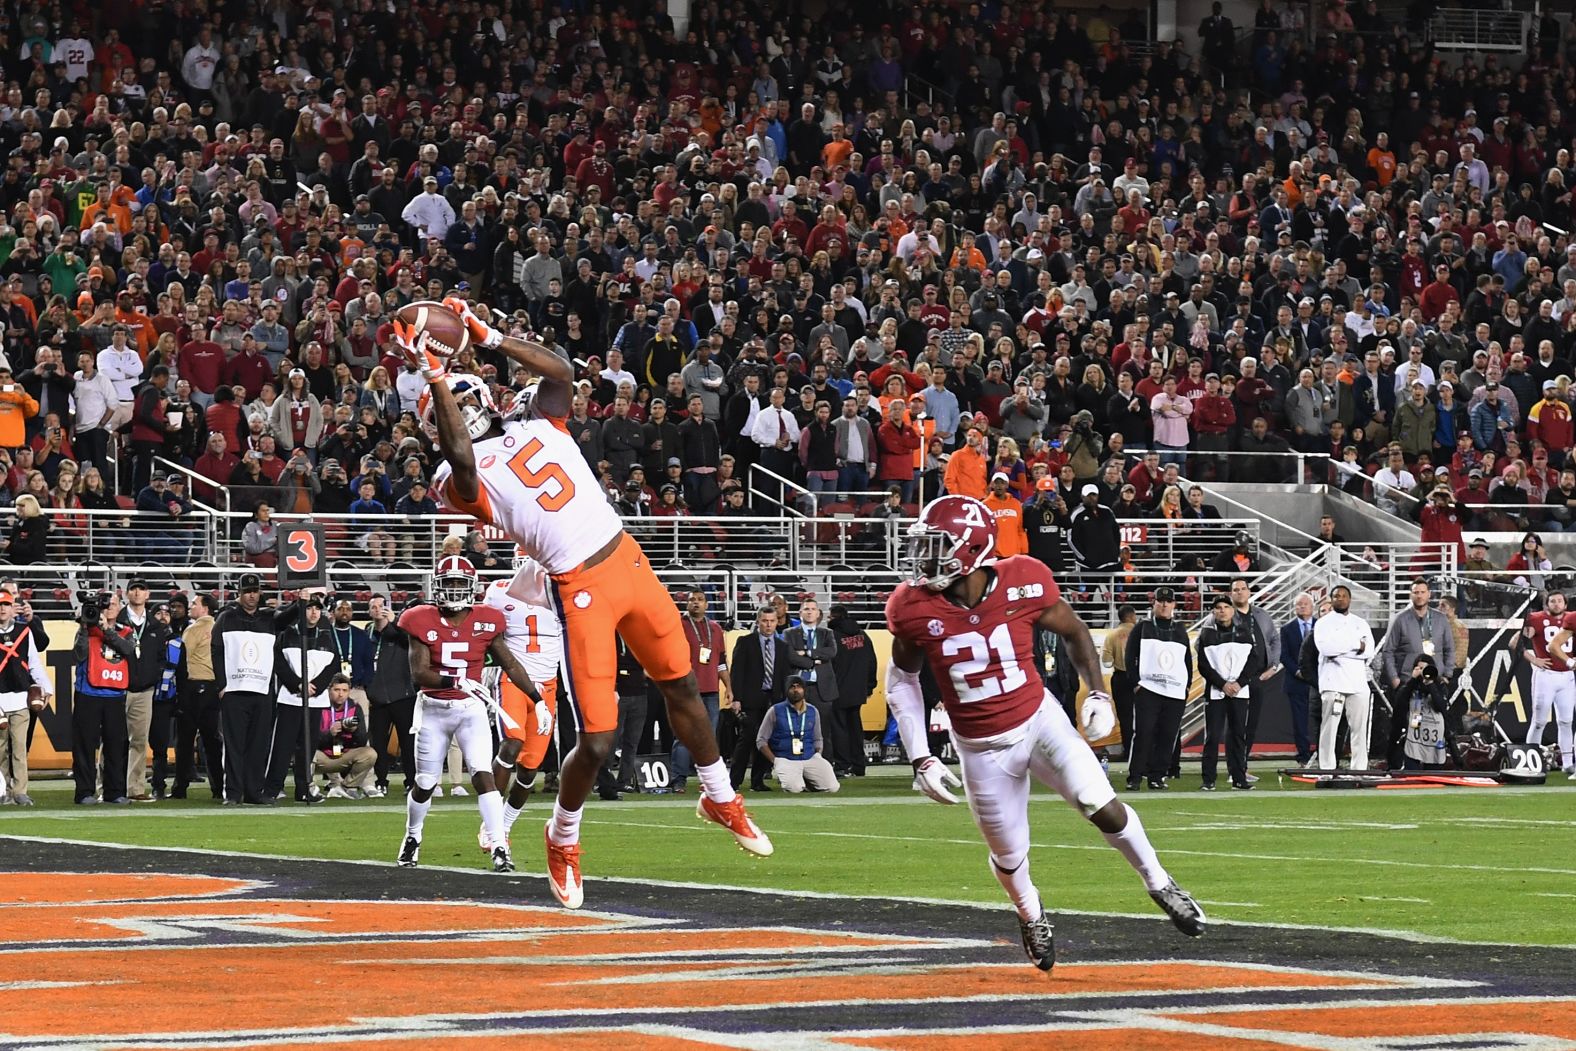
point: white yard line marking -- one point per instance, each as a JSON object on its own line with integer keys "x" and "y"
{"x": 810, "y": 895}
{"x": 931, "y": 840}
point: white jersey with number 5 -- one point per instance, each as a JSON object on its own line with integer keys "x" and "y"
{"x": 537, "y": 487}
{"x": 530, "y": 627}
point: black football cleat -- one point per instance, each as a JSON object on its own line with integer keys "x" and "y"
{"x": 1185, "y": 913}
{"x": 501, "y": 861}
{"x": 410, "y": 853}
{"x": 1039, "y": 941}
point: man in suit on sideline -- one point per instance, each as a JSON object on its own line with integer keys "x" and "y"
{"x": 759, "y": 669}
{"x": 1292, "y": 635}
{"x": 811, "y": 649}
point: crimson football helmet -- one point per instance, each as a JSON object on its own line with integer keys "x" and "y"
{"x": 454, "y": 583}
{"x": 476, "y": 403}
{"x": 954, "y": 536}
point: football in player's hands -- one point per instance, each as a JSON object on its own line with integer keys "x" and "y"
{"x": 447, "y": 333}
{"x": 1098, "y": 716}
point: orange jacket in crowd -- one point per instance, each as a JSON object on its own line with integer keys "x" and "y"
{"x": 17, "y": 406}
{"x": 966, "y": 472}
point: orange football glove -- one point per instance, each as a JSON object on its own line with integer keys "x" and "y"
{"x": 481, "y": 332}
{"x": 414, "y": 346}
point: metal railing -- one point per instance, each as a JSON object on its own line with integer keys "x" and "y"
{"x": 1453, "y": 29}
{"x": 789, "y": 497}
{"x": 123, "y": 537}
{"x": 212, "y": 492}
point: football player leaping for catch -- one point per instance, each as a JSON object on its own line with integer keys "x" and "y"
{"x": 450, "y": 641}
{"x": 528, "y": 478}
{"x": 974, "y": 618}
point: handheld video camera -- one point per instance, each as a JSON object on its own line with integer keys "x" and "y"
{"x": 92, "y": 605}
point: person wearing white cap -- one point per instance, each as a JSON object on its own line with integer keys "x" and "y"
{"x": 1094, "y": 537}
{"x": 1549, "y": 421}
{"x": 1007, "y": 509}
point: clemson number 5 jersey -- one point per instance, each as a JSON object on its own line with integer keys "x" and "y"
{"x": 538, "y": 488}
{"x": 983, "y": 658}
{"x": 530, "y": 626}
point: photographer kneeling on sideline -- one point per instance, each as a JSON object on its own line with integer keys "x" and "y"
{"x": 342, "y": 749}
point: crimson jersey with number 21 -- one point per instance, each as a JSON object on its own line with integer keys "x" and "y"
{"x": 459, "y": 649}
{"x": 983, "y": 658}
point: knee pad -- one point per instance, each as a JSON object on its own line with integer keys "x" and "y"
{"x": 426, "y": 782}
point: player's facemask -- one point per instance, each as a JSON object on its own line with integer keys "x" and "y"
{"x": 477, "y": 408}
{"x": 931, "y": 558}
{"x": 454, "y": 592}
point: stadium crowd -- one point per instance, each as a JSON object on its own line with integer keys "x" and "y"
{"x": 991, "y": 249}
{"x": 1070, "y": 248}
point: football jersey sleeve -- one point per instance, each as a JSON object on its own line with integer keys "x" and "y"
{"x": 900, "y": 607}
{"x": 415, "y": 620}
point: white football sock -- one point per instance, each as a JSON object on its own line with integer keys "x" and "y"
{"x": 564, "y": 829}
{"x": 715, "y": 782}
{"x": 415, "y": 814}
{"x": 1020, "y": 888}
{"x": 511, "y": 814}
{"x": 1135, "y": 847}
{"x": 491, "y": 806}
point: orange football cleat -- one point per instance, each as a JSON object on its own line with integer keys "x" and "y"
{"x": 563, "y": 871}
{"x": 733, "y": 817}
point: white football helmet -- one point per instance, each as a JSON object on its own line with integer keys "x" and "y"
{"x": 477, "y": 407}
{"x": 522, "y": 558}
{"x": 454, "y": 584}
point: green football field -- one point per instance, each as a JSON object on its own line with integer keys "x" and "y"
{"x": 1460, "y": 864}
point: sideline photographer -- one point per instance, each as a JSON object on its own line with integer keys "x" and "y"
{"x": 103, "y": 652}
{"x": 1421, "y": 721}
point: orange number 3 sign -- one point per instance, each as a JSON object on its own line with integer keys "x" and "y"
{"x": 539, "y": 477}
{"x": 301, "y": 554}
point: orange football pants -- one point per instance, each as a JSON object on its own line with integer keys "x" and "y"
{"x": 620, "y": 595}
{"x": 522, "y": 713}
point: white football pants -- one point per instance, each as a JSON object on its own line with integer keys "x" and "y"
{"x": 996, "y": 772}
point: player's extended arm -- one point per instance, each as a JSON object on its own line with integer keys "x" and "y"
{"x": 1098, "y": 714}
{"x": 1061, "y": 619}
{"x": 512, "y": 667}
{"x": 907, "y": 702}
{"x": 455, "y": 442}
{"x": 555, "y": 393}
